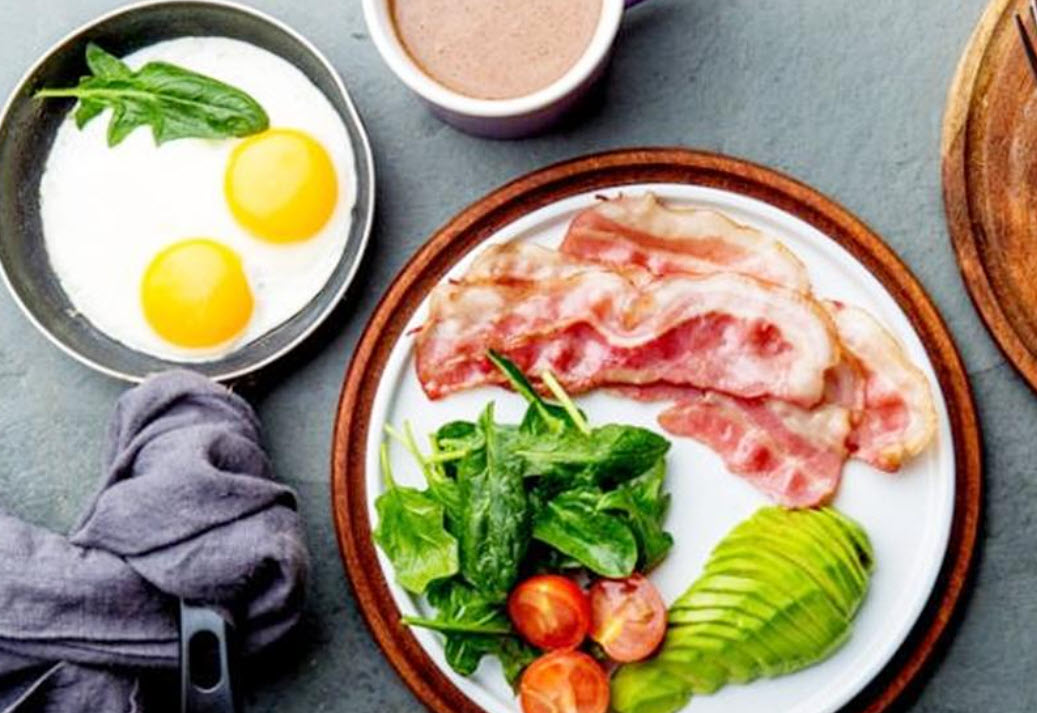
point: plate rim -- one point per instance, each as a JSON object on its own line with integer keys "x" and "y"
{"x": 481, "y": 220}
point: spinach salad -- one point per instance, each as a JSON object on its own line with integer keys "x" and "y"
{"x": 507, "y": 502}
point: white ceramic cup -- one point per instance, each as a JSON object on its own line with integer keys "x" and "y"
{"x": 499, "y": 118}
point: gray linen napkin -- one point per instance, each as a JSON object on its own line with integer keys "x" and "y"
{"x": 188, "y": 508}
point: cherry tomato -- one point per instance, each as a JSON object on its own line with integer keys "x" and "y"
{"x": 628, "y": 617}
{"x": 564, "y": 682}
{"x": 550, "y": 611}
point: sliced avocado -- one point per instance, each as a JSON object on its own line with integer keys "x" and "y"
{"x": 649, "y": 687}
{"x": 776, "y": 630}
{"x": 829, "y": 535}
{"x": 857, "y": 535}
{"x": 697, "y": 667}
{"x": 752, "y": 611}
{"x": 777, "y": 594}
{"x": 822, "y": 564}
{"x": 802, "y": 552}
{"x": 788, "y": 613}
{"x": 776, "y": 571}
{"x": 794, "y": 532}
{"x": 831, "y": 544}
{"x": 741, "y": 652}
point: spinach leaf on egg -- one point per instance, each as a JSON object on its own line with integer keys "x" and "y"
{"x": 175, "y": 102}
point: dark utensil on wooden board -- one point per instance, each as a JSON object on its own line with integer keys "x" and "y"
{"x": 207, "y": 661}
{"x": 1024, "y": 35}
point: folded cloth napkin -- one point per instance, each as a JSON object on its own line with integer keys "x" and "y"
{"x": 188, "y": 508}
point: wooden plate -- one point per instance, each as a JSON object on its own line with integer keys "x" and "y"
{"x": 989, "y": 151}
{"x": 350, "y": 457}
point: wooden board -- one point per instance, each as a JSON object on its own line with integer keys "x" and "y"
{"x": 989, "y": 152}
{"x": 484, "y": 218}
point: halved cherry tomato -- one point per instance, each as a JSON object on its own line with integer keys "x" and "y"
{"x": 550, "y": 611}
{"x": 564, "y": 682}
{"x": 628, "y": 617}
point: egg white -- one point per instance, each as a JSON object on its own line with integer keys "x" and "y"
{"x": 107, "y": 212}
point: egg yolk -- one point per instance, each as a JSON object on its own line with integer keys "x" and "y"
{"x": 281, "y": 185}
{"x": 195, "y": 294}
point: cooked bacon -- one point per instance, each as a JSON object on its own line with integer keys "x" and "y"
{"x": 792, "y": 454}
{"x": 724, "y": 332}
{"x": 890, "y": 401}
{"x": 520, "y": 262}
{"x": 642, "y": 231}
{"x": 898, "y": 417}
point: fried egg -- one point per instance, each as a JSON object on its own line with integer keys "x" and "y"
{"x": 190, "y": 250}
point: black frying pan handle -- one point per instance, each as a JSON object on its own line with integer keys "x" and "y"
{"x": 206, "y": 661}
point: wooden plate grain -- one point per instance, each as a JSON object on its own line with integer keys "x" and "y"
{"x": 989, "y": 153}
{"x": 505, "y": 205}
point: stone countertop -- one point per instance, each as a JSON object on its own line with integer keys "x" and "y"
{"x": 844, "y": 95}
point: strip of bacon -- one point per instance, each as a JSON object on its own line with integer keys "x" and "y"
{"x": 792, "y": 454}
{"x": 898, "y": 419}
{"x": 890, "y": 399}
{"x": 642, "y": 231}
{"x": 596, "y": 326}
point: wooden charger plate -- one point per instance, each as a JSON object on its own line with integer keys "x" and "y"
{"x": 989, "y": 152}
{"x": 481, "y": 221}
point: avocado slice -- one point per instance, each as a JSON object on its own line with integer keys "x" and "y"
{"x": 778, "y": 629}
{"x": 801, "y": 531}
{"x": 739, "y": 651}
{"x": 815, "y": 560}
{"x": 810, "y": 608}
{"x": 697, "y": 667}
{"x": 649, "y": 687}
{"x": 777, "y": 575}
{"x": 828, "y": 534}
{"x": 856, "y": 534}
{"x": 799, "y": 552}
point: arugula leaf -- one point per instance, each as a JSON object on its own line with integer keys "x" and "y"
{"x": 474, "y": 626}
{"x": 175, "y": 102}
{"x": 494, "y": 525}
{"x": 644, "y": 503}
{"x": 410, "y": 531}
{"x": 572, "y": 523}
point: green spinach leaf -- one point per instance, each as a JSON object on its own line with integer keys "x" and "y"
{"x": 176, "y": 103}
{"x": 442, "y": 487}
{"x": 643, "y": 501}
{"x": 474, "y": 626}
{"x": 541, "y": 417}
{"x": 609, "y": 455}
{"x": 572, "y": 523}
{"x": 411, "y": 532}
{"x": 495, "y": 521}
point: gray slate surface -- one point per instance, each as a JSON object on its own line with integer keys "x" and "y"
{"x": 845, "y": 95}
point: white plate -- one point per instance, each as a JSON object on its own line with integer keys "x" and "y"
{"x": 907, "y": 515}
